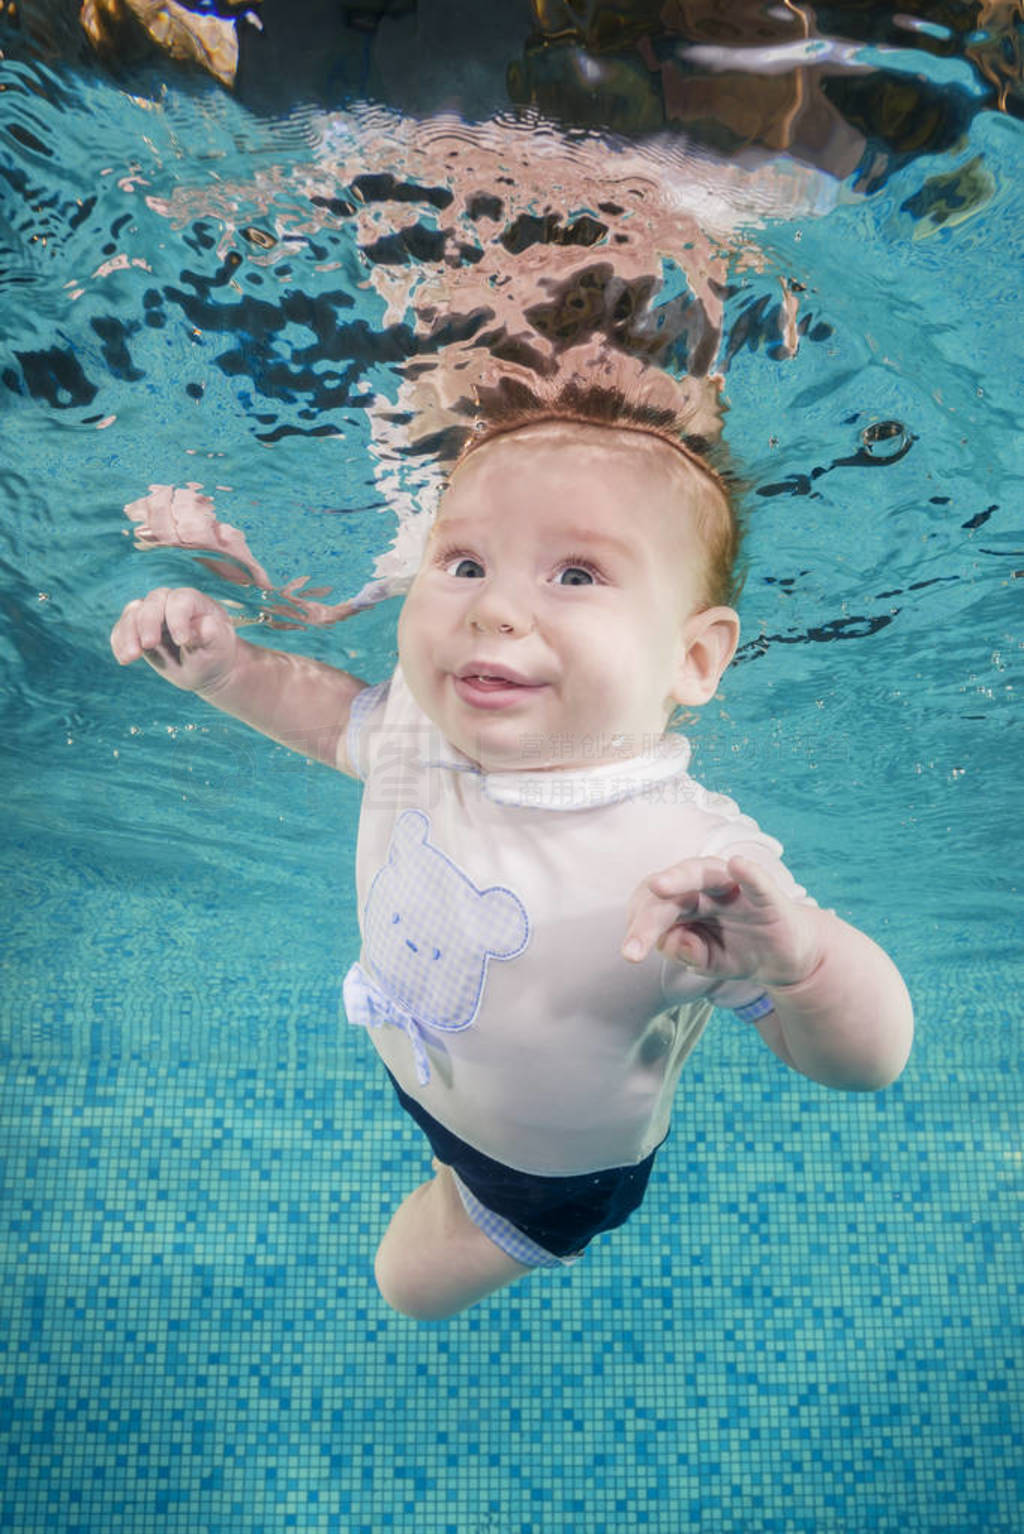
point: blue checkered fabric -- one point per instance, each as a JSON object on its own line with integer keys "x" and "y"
{"x": 428, "y": 937}
{"x": 752, "y": 1010}
{"x": 367, "y": 1007}
{"x": 363, "y": 705}
{"x": 508, "y": 1236}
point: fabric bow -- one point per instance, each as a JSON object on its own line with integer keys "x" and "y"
{"x": 367, "y": 1006}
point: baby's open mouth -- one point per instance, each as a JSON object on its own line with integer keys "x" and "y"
{"x": 484, "y": 679}
{"x": 474, "y": 684}
{"x": 482, "y": 674}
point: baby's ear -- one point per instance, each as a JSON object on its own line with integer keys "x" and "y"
{"x": 708, "y": 644}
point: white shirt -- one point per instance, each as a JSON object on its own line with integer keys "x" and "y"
{"x": 493, "y": 908}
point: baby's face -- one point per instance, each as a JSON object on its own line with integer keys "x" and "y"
{"x": 557, "y": 617}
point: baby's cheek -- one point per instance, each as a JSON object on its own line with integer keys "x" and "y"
{"x": 406, "y": 624}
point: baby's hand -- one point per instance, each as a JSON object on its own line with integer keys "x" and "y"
{"x": 725, "y": 920}
{"x": 183, "y": 634}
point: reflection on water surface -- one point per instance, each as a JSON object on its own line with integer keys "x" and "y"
{"x": 295, "y": 314}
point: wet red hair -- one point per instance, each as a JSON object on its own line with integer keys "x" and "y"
{"x": 513, "y": 405}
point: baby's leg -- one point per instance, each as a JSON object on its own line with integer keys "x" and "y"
{"x": 433, "y": 1261}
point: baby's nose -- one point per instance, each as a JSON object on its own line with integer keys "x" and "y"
{"x": 500, "y": 611}
{"x": 484, "y": 627}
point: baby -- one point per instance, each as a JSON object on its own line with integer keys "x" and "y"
{"x": 550, "y": 905}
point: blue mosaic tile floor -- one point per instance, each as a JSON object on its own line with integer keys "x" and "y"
{"x": 813, "y": 1325}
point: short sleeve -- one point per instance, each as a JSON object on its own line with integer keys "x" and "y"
{"x": 367, "y": 709}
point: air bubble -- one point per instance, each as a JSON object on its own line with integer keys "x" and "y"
{"x": 885, "y": 439}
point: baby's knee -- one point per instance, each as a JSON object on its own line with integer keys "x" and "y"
{"x": 406, "y": 1288}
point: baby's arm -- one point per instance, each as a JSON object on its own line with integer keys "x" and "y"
{"x": 840, "y": 1010}
{"x": 191, "y": 641}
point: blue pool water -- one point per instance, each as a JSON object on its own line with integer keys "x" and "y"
{"x": 814, "y": 1325}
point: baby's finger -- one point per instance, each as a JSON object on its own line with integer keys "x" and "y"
{"x": 694, "y": 877}
{"x": 685, "y": 892}
{"x": 149, "y": 618}
{"x": 705, "y": 881}
{"x": 183, "y": 617}
{"x": 651, "y": 919}
{"x": 755, "y": 881}
{"x": 686, "y": 945}
{"x": 124, "y": 638}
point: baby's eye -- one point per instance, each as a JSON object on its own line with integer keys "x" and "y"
{"x": 576, "y": 575}
{"x": 465, "y": 567}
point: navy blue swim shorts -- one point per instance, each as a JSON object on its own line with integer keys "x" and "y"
{"x": 560, "y": 1214}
